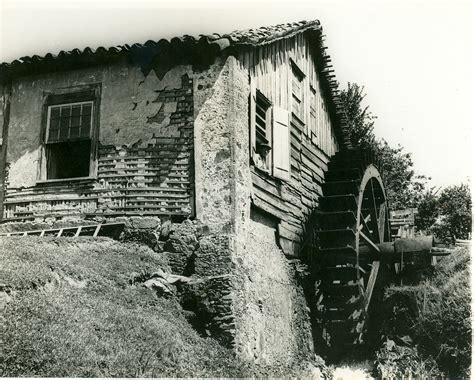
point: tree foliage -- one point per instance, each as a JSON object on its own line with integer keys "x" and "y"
{"x": 448, "y": 215}
{"x": 404, "y": 187}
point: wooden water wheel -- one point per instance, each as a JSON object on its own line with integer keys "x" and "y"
{"x": 352, "y": 224}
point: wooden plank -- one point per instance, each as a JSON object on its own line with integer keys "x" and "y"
{"x": 97, "y": 229}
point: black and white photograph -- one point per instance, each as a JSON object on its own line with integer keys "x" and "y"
{"x": 236, "y": 189}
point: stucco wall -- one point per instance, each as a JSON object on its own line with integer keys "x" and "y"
{"x": 273, "y": 325}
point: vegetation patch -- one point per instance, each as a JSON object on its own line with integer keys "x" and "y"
{"x": 429, "y": 325}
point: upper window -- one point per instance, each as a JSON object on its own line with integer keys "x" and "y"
{"x": 69, "y": 142}
{"x": 269, "y": 136}
{"x": 297, "y": 91}
{"x": 263, "y": 132}
{"x": 67, "y": 122}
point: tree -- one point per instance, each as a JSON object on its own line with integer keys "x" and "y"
{"x": 427, "y": 211}
{"x": 404, "y": 188}
{"x": 448, "y": 216}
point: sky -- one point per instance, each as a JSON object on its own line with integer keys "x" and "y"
{"x": 413, "y": 57}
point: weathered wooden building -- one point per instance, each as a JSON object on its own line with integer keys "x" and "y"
{"x": 233, "y": 130}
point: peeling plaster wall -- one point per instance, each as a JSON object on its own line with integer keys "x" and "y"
{"x": 145, "y": 149}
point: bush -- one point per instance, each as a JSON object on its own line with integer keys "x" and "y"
{"x": 436, "y": 314}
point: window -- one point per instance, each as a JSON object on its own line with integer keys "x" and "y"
{"x": 263, "y": 132}
{"x": 269, "y": 136}
{"x": 297, "y": 91}
{"x": 69, "y": 135}
{"x": 313, "y": 113}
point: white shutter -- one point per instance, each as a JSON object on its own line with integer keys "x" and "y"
{"x": 281, "y": 143}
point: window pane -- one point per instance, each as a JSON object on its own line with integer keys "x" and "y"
{"x": 65, "y": 111}
{"x": 85, "y": 131}
{"x": 55, "y": 112}
{"x": 54, "y": 124}
{"x": 64, "y": 123}
{"x": 76, "y": 110}
{"x": 75, "y": 121}
{"x": 86, "y": 109}
{"x": 74, "y": 133}
{"x": 86, "y": 122}
{"x": 53, "y": 135}
{"x": 63, "y": 133}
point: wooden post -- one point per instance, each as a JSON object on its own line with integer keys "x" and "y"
{"x": 5, "y": 111}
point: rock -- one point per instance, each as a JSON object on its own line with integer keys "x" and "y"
{"x": 176, "y": 279}
{"x": 159, "y": 285}
{"x": 4, "y": 299}
{"x": 146, "y": 223}
{"x": 75, "y": 283}
{"x": 166, "y": 229}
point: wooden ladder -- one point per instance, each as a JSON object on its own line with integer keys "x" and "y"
{"x": 112, "y": 230}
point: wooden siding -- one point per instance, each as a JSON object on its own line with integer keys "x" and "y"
{"x": 271, "y": 73}
{"x": 311, "y": 146}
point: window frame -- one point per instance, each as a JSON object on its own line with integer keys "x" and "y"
{"x": 256, "y": 96}
{"x": 67, "y": 96}
{"x": 313, "y": 114}
{"x": 298, "y": 74}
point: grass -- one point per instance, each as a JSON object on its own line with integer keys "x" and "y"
{"x": 74, "y": 312}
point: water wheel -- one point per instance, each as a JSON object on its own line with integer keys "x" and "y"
{"x": 352, "y": 221}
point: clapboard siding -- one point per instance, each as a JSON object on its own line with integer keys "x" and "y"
{"x": 310, "y": 149}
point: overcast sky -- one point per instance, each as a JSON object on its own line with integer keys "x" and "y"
{"x": 414, "y": 57}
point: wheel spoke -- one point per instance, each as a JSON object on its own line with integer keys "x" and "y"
{"x": 364, "y": 223}
{"x": 374, "y": 212}
{"x": 370, "y": 284}
{"x": 370, "y": 242}
{"x": 381, "y": 224}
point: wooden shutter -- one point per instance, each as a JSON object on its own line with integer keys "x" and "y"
{"x": 252, "y": 105}
{"x": 281, "y": 143}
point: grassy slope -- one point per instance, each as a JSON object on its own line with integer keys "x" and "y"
{"x": 436, "y": 314}
{"x": 74, "y": 312}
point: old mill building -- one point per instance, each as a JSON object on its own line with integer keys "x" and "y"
{"x": 234, "y": 132}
